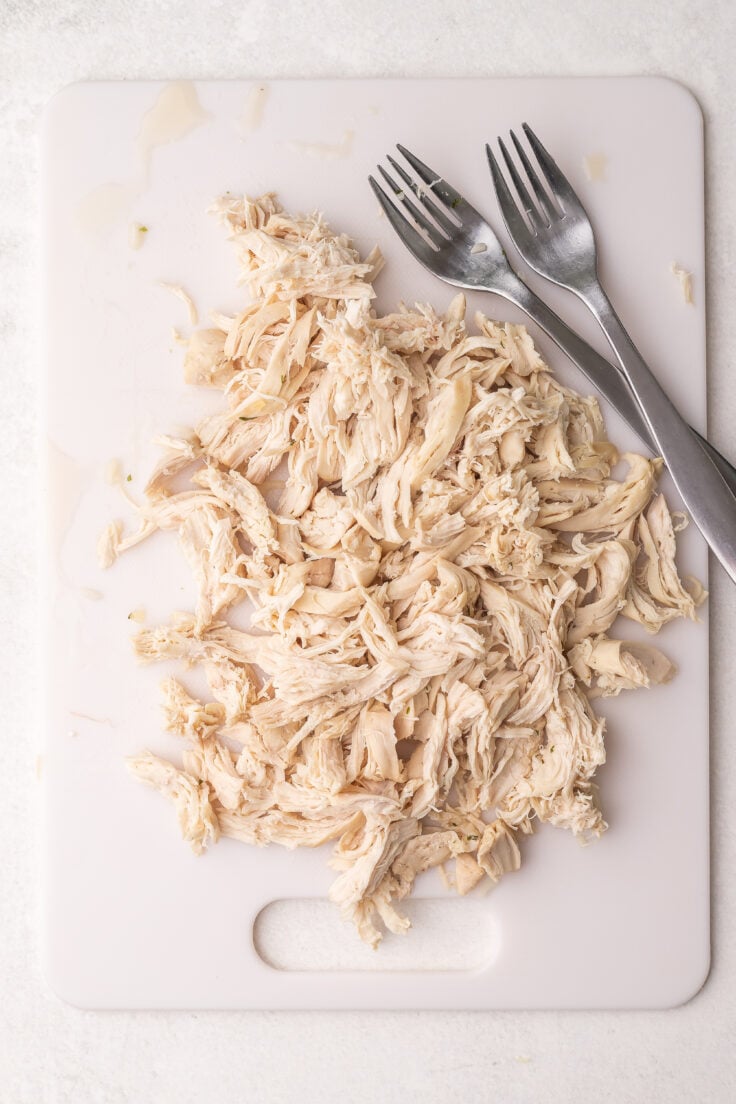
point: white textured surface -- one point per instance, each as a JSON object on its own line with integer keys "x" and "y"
{"x": 112, "y": 386}
{"x": 52, "y": 1053}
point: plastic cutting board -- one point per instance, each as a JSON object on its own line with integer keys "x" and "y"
{"x": 132, "y": 918}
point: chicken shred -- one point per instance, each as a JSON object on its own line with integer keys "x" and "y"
{"x": 433, "y": 585}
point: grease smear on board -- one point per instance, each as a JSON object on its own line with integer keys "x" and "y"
{"x": 251, "y": 116}
{"x": 176, "y": 112}
{"x": 328, "y": 151}
{"x": 595, "y": 166}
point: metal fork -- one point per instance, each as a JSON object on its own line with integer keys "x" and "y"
{"x": 557, "y": 242}
{"x": 458, "y": 245}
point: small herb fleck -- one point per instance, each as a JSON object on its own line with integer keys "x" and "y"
{"x": 142, "y": 229}
{"x": 408, "y": 709}
{"x": 292, "y": 441}
{"x": 283, "y": 379}
{"x": 129, "y": 478}
{"x": 473, "y": 837}
{"x": 455, "y": 202}
{"x": 246, "y": 417}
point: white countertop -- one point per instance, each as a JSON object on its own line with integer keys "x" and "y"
{"x": 53, "y": 1053}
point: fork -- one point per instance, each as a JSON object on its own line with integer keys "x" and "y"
{"x": 450, "y": 239}
{"x": 557, "y": 242}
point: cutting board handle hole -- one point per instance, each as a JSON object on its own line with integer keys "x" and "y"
{"x": 449, "y": 934}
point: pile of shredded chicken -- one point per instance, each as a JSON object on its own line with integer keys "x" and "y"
{"x": 434, "y": 576}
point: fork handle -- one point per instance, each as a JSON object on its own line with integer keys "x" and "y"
{"x": 705, "y": 493}
{"x": 605, "y": 377}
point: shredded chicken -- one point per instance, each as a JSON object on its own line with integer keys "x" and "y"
{"x": 427, "y": 527}
{"x": 186, "y": 299}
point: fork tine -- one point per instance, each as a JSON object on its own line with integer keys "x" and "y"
{"x": 550, "y": 211}
{"x": 511, "y": 215}
{"x": 429, "y": 228}
{"x": 558, "y": 182}
{"x": 440, "y": 188}
{"x": 439, "y": 216}
{"x": 522, "y": 191}
{"x": 411, "y": 238}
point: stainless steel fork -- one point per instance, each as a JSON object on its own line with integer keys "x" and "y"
{"x": 553, "y": 233}
{"x": 451, "y": 239}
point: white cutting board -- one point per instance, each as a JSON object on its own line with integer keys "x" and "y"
{"x": 132, "y": 918}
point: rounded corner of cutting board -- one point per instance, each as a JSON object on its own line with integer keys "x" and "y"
{"x": 61, "y": 986}
{"x": 62, "y": 101}
{"x": 681, "y": 94}
{"x": 688, "y": 986}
